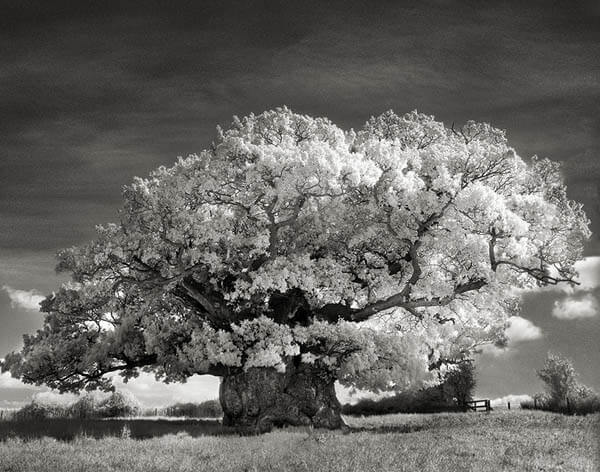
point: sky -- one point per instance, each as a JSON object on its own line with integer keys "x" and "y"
{"x": 94, "y": 93}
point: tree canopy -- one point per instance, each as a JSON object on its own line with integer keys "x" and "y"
{"x": 380, "y": 255}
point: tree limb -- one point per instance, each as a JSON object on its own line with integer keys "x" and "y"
{"x": 399, "y": 301}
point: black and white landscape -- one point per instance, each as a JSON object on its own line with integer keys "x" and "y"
{"x": 258, "y": 235}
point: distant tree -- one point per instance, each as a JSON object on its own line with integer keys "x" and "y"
{"x": 560, "y": 378}
{"x": 206, "y": 409}
{"x": 292, "y": 254}
{"x": 563, "y": 393}
{"x": 460, "y": 382}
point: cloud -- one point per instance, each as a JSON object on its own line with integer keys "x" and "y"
{"x": 54, "y": 398}
{"x": 588, "y": 270}
{"x": 572, "y": 308}
{"x": 589, "y": 273}
{"x": 152, "y": 393}
{"x": 7, "y": 381}
{"x": 515, "y": 401}
{"x": 10, "y": 404}
{"x": 149, "y": 392}
{"x": 520, "y": 329}
{"x": 352, "y": 395}
{"x": 28, "y": 299}
{"x": 495, "y": 351}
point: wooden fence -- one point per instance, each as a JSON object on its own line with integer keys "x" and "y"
{"x": 478, "y": 405}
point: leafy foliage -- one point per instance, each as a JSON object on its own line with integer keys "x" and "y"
{"x": 380, "y": 255}
{"x": 459, "y": 383}
{"x": 559, "y": 376}
{"x": 563, "y": 393}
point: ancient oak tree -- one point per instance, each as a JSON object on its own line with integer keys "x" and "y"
{"x": 291, "y": 255}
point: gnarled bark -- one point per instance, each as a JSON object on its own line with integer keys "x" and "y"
{"x": 260, "y": 398}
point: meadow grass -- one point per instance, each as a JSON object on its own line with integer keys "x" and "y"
{"x": 507, "y": 441}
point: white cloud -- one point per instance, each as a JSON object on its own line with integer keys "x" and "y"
{"x": 7, "y": 381}
{"x": 11, "y": 405}
{"x": 28, "y": 299}
{"x": 54, "y": 398}
{"x": 495, "y": 351}
{"x": 353, "y": 395}
{"x": 520, "y": 329}
{"x": 515, "y": 401}
{"x": 152, "y": 393}
{"x": 589, "y": 273}
{"x": 149, "y": 392}
{"x": 588, "y": 269}
{"x": 571, "y": 308}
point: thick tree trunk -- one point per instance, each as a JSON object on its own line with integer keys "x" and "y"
{"x": 260, "y": 398}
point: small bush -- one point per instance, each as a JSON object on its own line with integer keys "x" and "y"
{"x": 85, "y": 407}
{"x": 40, "y": 411}
{"x": 572, "y": 406}
{"x": 119, "y": 404}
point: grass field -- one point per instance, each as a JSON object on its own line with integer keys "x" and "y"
{"x": 499, "y": 441}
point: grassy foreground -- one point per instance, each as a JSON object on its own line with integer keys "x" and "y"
{"x": 507, "y": 441}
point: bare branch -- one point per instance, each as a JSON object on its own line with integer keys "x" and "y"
{"x": 538, "y": 274}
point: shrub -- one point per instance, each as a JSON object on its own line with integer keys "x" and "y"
{"x": 85, "y": 407}
{"x": 119, "y": 404}
{"x": 206, "y": 409}
{"x": 38, "y": 411}
{"x": 459, "y": 383}
{"x": 560, "y": 378}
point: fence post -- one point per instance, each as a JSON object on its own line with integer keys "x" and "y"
{"x": 509, "y": 405}
{"x": 535, "y": 403}
{"x": 568, "y": 406}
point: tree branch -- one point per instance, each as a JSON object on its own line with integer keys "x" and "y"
{"x": 194, "y": 293}
{"x": 538, "y": 274}
{"x": 399, "y": 301}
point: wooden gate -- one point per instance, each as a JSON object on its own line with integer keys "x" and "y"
{"x": 478, "y": 405}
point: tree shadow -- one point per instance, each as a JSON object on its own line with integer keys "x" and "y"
{"x": 388, "y": 428}
{"x": 67, "y": 429}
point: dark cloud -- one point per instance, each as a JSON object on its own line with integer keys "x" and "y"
{"x": 93, "y": 93}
